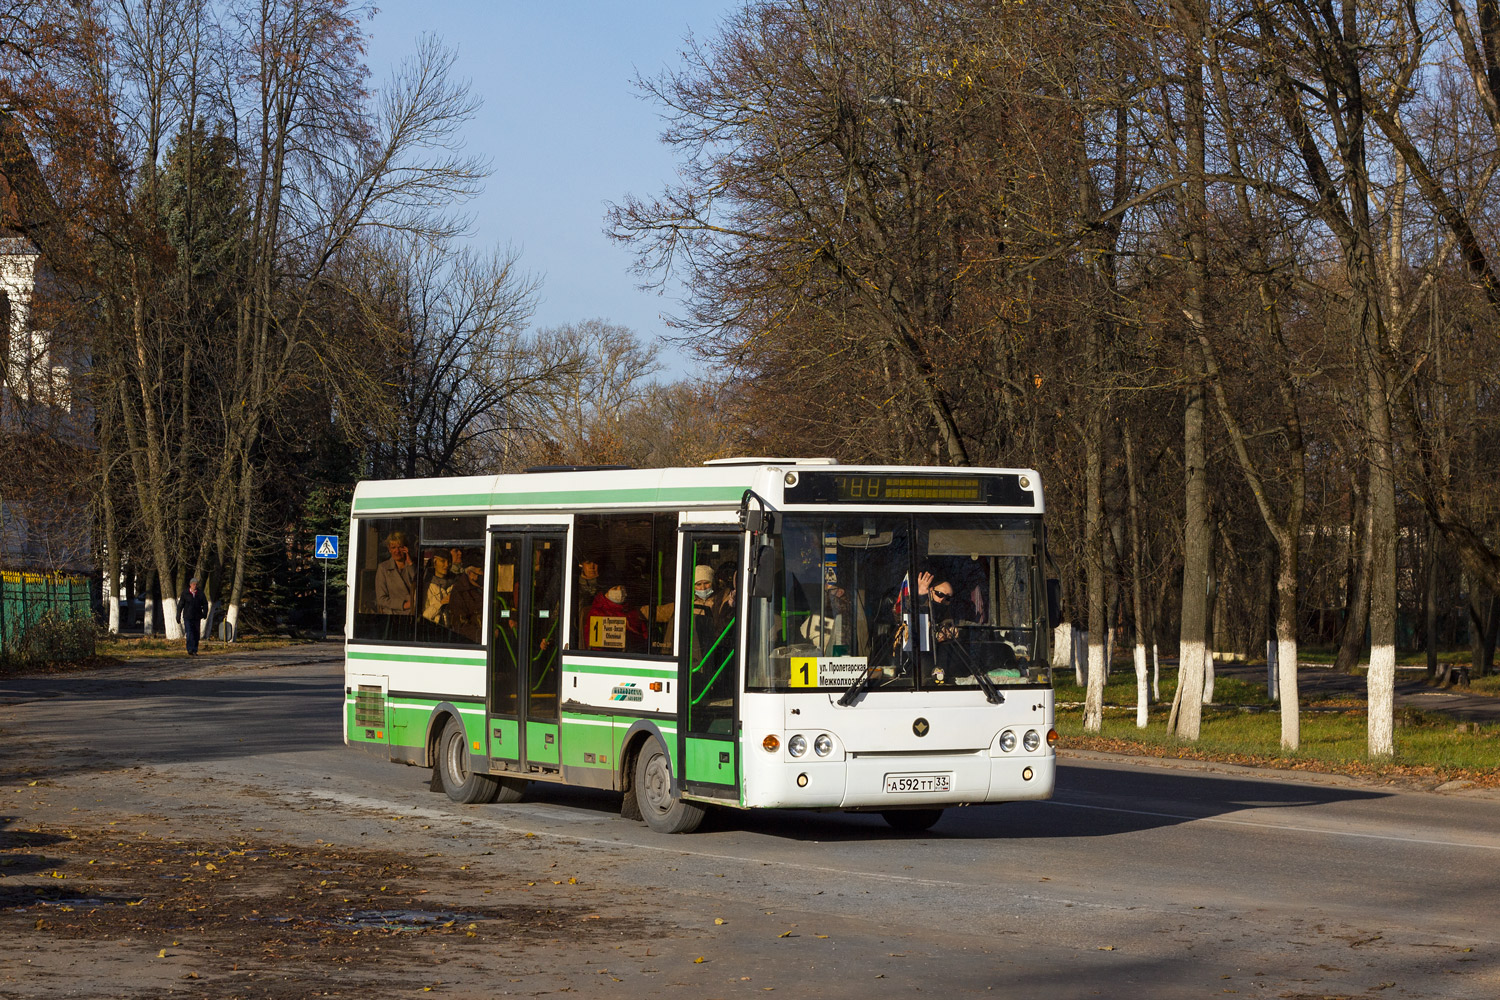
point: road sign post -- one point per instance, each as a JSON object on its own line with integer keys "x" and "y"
{"x": 325, "y": 548}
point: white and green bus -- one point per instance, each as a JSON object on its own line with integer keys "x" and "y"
{"x": 755, "y": 633}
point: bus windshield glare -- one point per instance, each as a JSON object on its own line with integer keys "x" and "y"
{"x": 925, "y": 601}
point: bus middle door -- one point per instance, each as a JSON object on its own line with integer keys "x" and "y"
{"x": 710, "y": 644}
{"x": 525, "y": 649}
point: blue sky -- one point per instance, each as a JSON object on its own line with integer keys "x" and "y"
{"x": 566, "y": 132}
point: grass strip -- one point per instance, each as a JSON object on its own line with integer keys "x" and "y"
{"x": 1243, "y": 727}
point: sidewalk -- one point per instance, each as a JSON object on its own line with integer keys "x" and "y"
{"x": 213, "y": 658}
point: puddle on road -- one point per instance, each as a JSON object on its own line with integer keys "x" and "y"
{"x": 389, "y": 920}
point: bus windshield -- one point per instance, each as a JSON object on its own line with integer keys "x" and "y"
{"x": 923, "y": 601}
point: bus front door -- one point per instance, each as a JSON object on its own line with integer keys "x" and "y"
{"x": 525, "y": 649}
{"x": 710, "y": 641}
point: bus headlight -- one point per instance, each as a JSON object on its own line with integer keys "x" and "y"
{"x": 797, "y": 745}
{"x": 823, "y": 745}
{"x": 1031, "y": 740}
{"x": 1007, "y": 741}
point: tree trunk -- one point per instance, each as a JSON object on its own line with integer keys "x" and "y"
{"x": 1287, "y": 687}
{"x": 241, "y": 549}
{"x": 1093, "y": 544}
{"x": 1138, "y": 606}
{"x": 149, "y": 608}
{"x": 1430, "y": 602}
{"x": 1486, "y": 664}
{"x": 1357, "y": 609}
{"x": 1211, "y": 604}
{"x": 1196, "y": 535}
{"x": 111, "y": 560}
{"x": 1381, "y": 680}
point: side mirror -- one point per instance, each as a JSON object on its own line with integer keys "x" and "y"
{"x": 1054, "y": 601}
{"x": 759, "y": 521}
{"x": 763, "y": 583}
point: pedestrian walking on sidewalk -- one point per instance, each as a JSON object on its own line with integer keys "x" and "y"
{"x": 191, "y": 611}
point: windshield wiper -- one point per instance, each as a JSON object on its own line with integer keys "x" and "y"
{"x": 991, "y": 693}
{"x": 860, "y": 683}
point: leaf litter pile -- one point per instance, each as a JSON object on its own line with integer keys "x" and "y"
{"x": 251, "y": 919}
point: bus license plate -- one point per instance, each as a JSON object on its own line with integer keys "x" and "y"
{"x": 918, "y": 782}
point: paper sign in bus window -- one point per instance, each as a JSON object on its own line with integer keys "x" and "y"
{"x": 606, "y": 633}
{"x": 827, "y": 671}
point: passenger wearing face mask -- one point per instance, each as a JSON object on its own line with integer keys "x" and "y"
{"x": 609, "y": 603}
{"x": 713, "y": 614}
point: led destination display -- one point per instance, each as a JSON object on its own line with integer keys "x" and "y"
{"x": 1003, "y": 490}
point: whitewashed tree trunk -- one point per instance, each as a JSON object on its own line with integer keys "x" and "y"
{"x": 1080, "y": 654}
{"x": 1142, "y": 698}
{"x": 111, "y": 592}
{"x": 1381, "y": 693}
{"x": 1155, "y": 673}
{"x": 1197, "y": 540}
{"x": 1273, "y": 675}
{"x": 1287, "y": 693}
{"x": 1062, "y": 646}
{"x": 1093, "y": 700}
{"x": 1208, "y": 676}
{"x": 1093, "y": 544}
{"x": 171, "y": 627}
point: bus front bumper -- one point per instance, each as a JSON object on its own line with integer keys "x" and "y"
{"x": 900, "y": 781}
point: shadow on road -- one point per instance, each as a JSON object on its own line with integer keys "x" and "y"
{"x": 62, "y": 725}
{"x": 1091, "y": 803}
{"x": 20, "y": 855}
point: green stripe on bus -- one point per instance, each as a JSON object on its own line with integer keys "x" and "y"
{"x": 651, "y": 494}
{"x": 416, "y": 658}
{"x": 622, "y": 721}
{"x": 588, "y": 668}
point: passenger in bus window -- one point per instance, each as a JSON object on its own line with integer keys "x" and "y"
{"x": 439, "y": 589}
{"x": 713, "y": 604}
{"x": 840, "y": 628}
{"x": 603, "y": 628}
{"x": 465, "y": 606}
{"x": 588, "y": 580}
{"x": 585, "y": 587}
{"x": 396, "y": 578}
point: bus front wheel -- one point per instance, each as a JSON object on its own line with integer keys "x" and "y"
{"x": 663, "y": 811}
{"x": 462, "y": 784}
{"x": 912, "y": 820}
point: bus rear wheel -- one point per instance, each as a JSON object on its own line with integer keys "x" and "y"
{"x": 462, "y": 784}
{"x": 509, "y": 789}
{"x": 912, "y": 820}
{"x": 663, "y": 811}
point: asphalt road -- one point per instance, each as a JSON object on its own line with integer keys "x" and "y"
{"x": 1136, "y": 880}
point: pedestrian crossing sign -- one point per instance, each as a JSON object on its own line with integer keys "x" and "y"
{"x": 327, "y": 547}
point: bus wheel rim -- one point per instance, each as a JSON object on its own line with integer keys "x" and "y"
{"x": 456, "y": 764}
{"x": 658, "y": 783}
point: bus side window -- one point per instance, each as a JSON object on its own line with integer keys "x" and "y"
{"x": 636, "y": 553}
{"x": 386, "y": 586}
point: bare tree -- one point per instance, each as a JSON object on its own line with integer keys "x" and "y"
{"x": 604, "y": 371}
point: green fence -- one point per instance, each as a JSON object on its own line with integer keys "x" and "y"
{"x": 27, "y": 631}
